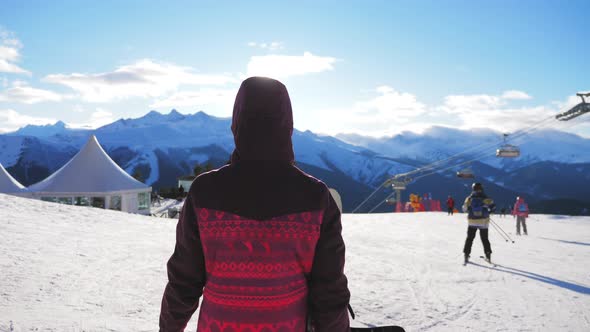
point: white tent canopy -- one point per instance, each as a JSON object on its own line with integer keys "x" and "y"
{"x": 8, "y": 185}
{"x": 92, "y": 174}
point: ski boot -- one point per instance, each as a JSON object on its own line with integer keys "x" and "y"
{"x": 466, "y": 259}
{"x": 489, "y": 257}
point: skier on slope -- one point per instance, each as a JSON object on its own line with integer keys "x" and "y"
{"x": 478, "y": 205}
{"x": 450, "y": 205}
{"x": 521, "y": 211}
{"x": 259, "y": 239}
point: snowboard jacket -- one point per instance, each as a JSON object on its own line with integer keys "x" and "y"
{"x": 258, "y": 239}
{"x": 521, "y": 208}
{"x": 482, "y": 221}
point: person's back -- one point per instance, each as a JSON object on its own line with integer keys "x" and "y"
{"x": 258, "y": 238}
{"x": 478, "y": 206}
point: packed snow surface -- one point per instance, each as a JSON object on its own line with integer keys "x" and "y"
{"x": 67, "y": 268}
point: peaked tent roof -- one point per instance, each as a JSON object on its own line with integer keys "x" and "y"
{"x": 89, "y": 171}
{"x": 8, "y": 184}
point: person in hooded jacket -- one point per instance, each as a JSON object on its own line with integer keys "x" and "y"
{"x": 258, "y": 239}
{"x": 478, "y": 207}
{"x": 521, "y": 211}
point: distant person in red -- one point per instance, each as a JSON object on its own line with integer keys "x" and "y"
{"x": 521, "y": 211}
{"x": 450, "y": 205}
{"x": 258, "y": 239}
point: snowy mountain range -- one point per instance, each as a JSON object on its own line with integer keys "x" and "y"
{"x": 163, "y": 147}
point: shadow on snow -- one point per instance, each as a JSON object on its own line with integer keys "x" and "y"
{"x": 552, "y": 281}
{"x": 564, "y": 241}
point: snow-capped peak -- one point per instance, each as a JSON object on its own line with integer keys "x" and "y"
{"x": 42, "y": 130}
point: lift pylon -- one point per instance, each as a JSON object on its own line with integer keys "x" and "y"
{"x": 576, "y": 111}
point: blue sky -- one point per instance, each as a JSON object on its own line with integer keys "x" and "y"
{"x": 368, "y": 67}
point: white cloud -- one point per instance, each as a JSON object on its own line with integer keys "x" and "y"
{"x": 391, "y": 112}
{"x": 11, "y": 120}
{"x": 98, "y": 118}
{"x": 495, "y": 112}
{"x": 469, "y": 103}
{"x": 145, "y": 78}
{"x": 9, "y": 53}
{"x": 21, "y": 92}
{"x": 283, "y": 66}
{"x": 202, "y": 97}
{"x": 392, "y": 104}
{"x": 272, "y": 46}
{"x": 570, "y": 102}
{"x": 388, "y": 112}
{"x": 78, "y": 108}
{"x": 516, "y": 95}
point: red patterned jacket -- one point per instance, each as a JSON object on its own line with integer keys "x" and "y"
{"x": 258, "y": 239}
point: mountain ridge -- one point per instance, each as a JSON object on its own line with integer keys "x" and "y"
{"x": 165, "y": 146}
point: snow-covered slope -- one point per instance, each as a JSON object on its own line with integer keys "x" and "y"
{"x": 67, "y": 268}
{"x": 10, "y": 149}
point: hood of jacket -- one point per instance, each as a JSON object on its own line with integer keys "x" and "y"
{"x": 262, "y": 121}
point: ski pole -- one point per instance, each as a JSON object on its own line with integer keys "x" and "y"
{"x": 503, "y": 231}
{"x": 500, "y": 228}
{"x": 497, "y": 230}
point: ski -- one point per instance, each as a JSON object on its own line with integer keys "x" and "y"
{"x": 488, "y": 261}
{"x": 390, "y": 328}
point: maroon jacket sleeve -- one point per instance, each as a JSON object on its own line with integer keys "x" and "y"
{"x": 186, "y": 273}
{"x": 328, "y": 286}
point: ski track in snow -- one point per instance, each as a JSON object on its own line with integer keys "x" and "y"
{"x": 67, "y": 268}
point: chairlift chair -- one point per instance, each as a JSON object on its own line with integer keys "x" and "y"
{"x": 465, "y": 174}
{"x": 390, "y": 201}
{"x": 508, "y": 150}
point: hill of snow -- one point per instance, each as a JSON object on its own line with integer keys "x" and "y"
{"x": 68, "y": 268}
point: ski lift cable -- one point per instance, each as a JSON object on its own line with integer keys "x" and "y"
{"x": 477, "y": 147}
{"x": 433, "y": 166}
{"x": 515, "y": 135}
{"x": 557, "y": 121}
{"x": 478, "y": 156}
{"x": 381, "y": 203}
{"x": 546, "y": 125}
{"x": 369, "y": 197}
{"x": 547, "y": 122}
{"x": 561, "y": 125}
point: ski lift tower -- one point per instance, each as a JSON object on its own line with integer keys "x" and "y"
{"x": 576, "y": 111}
{"x": 398, "y": 183}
